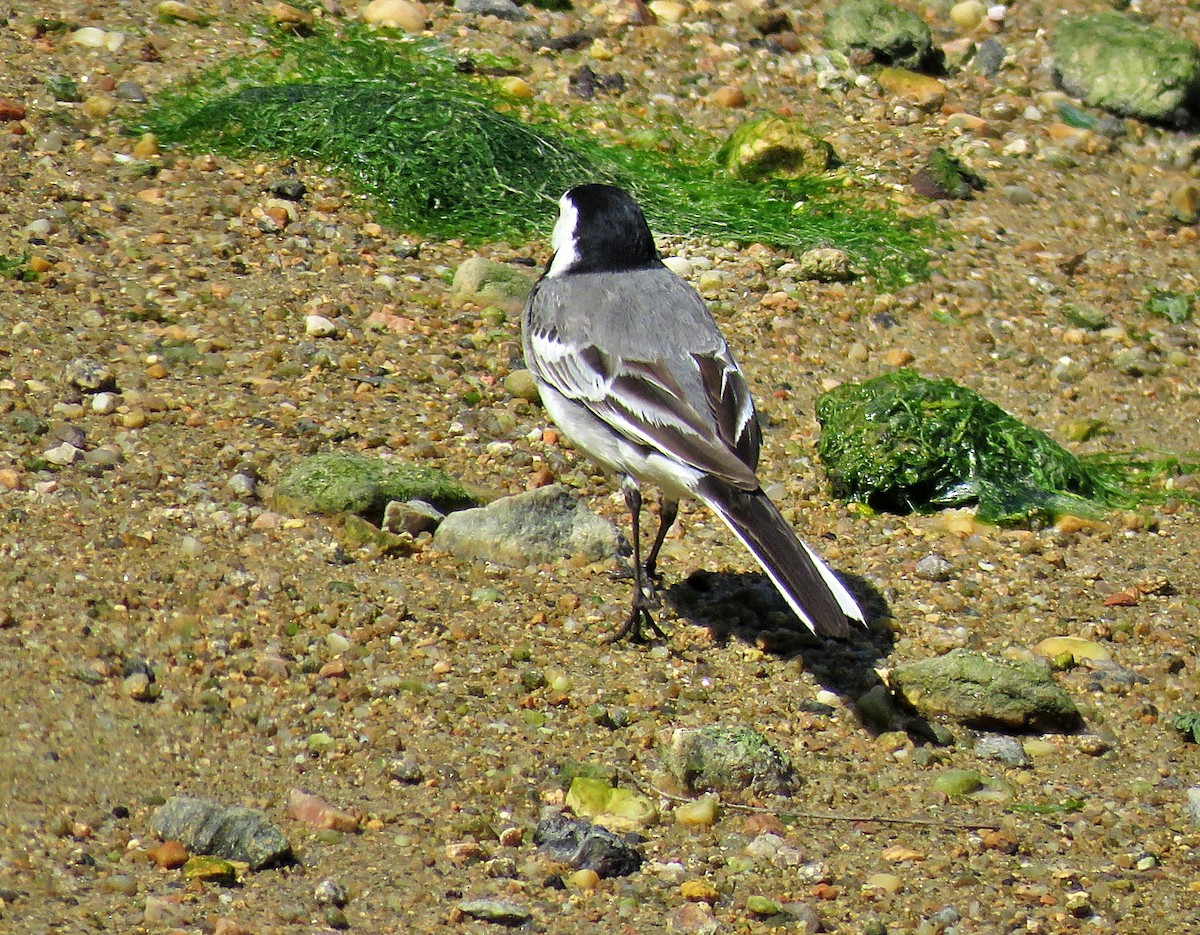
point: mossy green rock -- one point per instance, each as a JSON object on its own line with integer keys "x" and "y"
{"x": 734, "y": 761}
{"x": 350, "y": 483}
{"x": 955, "y": 782}
{"x": 491, "y": 283}
{"x": 985, "y": 692}
{"x": 1127, "y": 67}
{"x": 207, "y": 869}
{"x": 893, "y": 35}
{"x": 775, "y": 147}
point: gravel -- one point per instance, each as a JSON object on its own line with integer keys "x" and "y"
{"x": 164, "y": 631}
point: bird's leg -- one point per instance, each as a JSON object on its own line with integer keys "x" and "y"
{"x": 668, "y": 509}
{"x": 643, "y": 589}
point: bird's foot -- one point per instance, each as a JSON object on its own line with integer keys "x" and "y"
{"x": 639, "y": 617}
{"x": 624, "y": 572}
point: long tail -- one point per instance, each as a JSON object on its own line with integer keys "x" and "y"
{"x": 806, "y": 583}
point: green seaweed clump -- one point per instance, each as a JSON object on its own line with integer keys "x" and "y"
{"x": 441, "y": 151}
{"x": 903, "y": 443}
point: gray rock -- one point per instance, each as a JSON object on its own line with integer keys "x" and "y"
{"x": 545, "y": 525}
{"x": 729, "y": 760}
{"x": 582, "y": 845}
{"x": 1193, "y": 804}
{"x": 411, "y": 516}
{"x": 934, "y": 568}
{"x": 1006, "y": 750}
{"x": 499, "y": 911}
{"x": 894, "y": 36}
{"x": 63, "y": 454}
{"x": 488, "y": 282}
{"x": 330, "y": 893}
{"x": 989, "y": 57}
{"x": 1127, "y": 67}
{"x": 130, "y": 91}
{"x": 501, "y": 9}
{"x": 824, "y": 264}
{"x": 351, "y": 483}
{"x": 235, "y": 833}
{"x": 979, "y": 690}
{"x": 89, "y": 375}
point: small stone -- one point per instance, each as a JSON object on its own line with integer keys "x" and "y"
{"x": 209, "y": 869}
{"x": 405, "y": 15}
{"x": 702, "y": 813}
{"x": 736, "y": 760}
{"x": 104, "y": 403}
{"x": 146, "y": 147}
{"x": 729, "y": 97}
{"x": 330, "y": 893}
{"x": 236, "y": 833}
{"x": 515, "y": 86}
{"x": 168, "y": 855}
{"x": 487, "y": 282}
{"x": 762, "y": 906}
{"x": 1185, "y": 202}
{"x": 89, "y": 375}
{"x": 412, "y": 517}
{"x": 668, "y": 11}
{"x": 898, "y": 357}
{"x": 1006, "y": 750}
{"x": 967, "y": 16}
{"x": 317, "y": 813}
{"x": 140, "y": 686}
{"x": 824, "y": 264}
{"x": 582, "y": 845}
{"x": 318, "y": 326}
{"x": 956, "y": 782}
{"x": 1079, "y": 650}
{"x": 520, "y": 383}
{"x": 98, "y": 106}
{"x": 170, "y": 10}
{"x": 500, "y": 912}
{"x": 922, "y": 91}
{"x": 501, "y": 9}
{"x": 944, "y": 177}
{"x": 586, "y": 880}
{"x": 699, "y": 891}
{"x": 884, "y": 882}
{"x": 63, "y": 455}
{"x": 934, "y": 568}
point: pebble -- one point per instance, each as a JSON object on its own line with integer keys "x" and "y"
{"x": 966, "y": 16}
{"x": 139, "y": 686}
{"x": 700, "y": 813}
{"x": 174, "y": 10}
{"x": 406, "y": 15}
{"x": 898, "y": 357}
{"x": 104, "y": 403}
{"x": 500, "y": 912}
{"x": 87, "y": 373}
{"x": 955, "y": 782}
{"x": 729, "y": 96}
{"x": 699, "y": 891}
{"x": 168, "y": 855}
{"x": 680, "y": 266}
{"x": 668, "y": 11}
{"x": 63, "y": 455}
{"x": 318, "y": 326}
{"x": 934, "y": 568}
{"x": 1006, "y": 750}
{"x": 330, "y": 893}
{"x": 884, "y": 882}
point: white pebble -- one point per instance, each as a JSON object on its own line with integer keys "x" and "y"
{"x": 997, "y": 13}
{"x": 104, "y": 403}
{"x": 63, "y": 454}
{"x": 318, "y": 326}
{"x": 191, "y": 546}
{"x": 680, "y": 266}
{"x": 89, "y": 37}
{"x": 336, "y": 642}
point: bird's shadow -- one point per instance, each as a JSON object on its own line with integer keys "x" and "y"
{"x": 746, "y": 607}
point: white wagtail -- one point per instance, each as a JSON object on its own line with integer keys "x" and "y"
{"x": 633, "y": 369}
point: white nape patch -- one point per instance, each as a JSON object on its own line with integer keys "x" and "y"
{"x": 562, "y": 241}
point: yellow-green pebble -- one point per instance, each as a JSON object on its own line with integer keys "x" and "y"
{"x": 701, "y": 813}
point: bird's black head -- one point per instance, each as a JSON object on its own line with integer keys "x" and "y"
{"x": 600, "y": 229}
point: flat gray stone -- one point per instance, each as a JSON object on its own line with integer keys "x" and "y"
{"x": 981, "y": 691}
{"x": 1122, "y": 65}
{"x": 545, "y": 525}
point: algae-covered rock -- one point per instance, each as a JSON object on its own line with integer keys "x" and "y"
{"x": 902, "y": 442}
{"x": 981, "y": 691}
{"x": 734, "y": 761}
{"x": 944, "y": 177}
{"x": 893, "y": 35}
{"x": 775, "y": 147}
{"x": 491, "y": 283}
{"x": 351, "y": 483}
{"x": 1128, "y": 67}
{"x": 616, "y": 808}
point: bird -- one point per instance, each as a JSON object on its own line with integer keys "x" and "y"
{"x": 633, "y": 369}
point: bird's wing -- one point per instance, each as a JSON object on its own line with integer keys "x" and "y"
{"x": 688, "y": 403}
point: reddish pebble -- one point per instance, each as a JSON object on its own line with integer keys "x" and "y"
{"x": 11, "y": 110}
{"x": 334, "y": 670}
{"x": 317, "y": 813}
